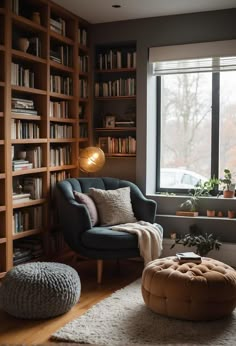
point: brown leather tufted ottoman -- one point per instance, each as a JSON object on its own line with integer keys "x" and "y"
{"x": 189, "y": 291}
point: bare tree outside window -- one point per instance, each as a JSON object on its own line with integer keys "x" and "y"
{"x": 186, "y": 124}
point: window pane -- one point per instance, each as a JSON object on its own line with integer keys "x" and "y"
{"x": 227, "y": 122}
{"x": 185, "y": 129}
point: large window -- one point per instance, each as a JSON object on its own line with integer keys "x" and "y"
{"x": 196, "y": 128}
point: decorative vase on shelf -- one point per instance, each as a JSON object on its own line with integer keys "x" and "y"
{"x": 36, "y": 17}
{"x": 23, "y": 44}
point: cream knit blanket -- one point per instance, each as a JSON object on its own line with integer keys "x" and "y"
{"x": 150, "y": 236}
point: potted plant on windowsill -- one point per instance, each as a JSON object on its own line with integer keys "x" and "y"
{"x": 228, "y": 186}
{"x": 203, "y": 242}
{"x": 190, "y": 206}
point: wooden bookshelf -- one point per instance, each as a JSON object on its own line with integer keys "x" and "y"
{"x": 27, "y": 83}
{"x": 115, "y": 97}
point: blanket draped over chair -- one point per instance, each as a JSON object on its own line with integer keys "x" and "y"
{"x": 150, "y": 236}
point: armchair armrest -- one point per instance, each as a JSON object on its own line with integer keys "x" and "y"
{"x": 144, "y": 208}
{"x": 73, "y": 218}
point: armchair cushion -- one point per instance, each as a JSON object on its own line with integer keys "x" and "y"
{"x": 88, "y": 201}
{"x": 114, "y": 206}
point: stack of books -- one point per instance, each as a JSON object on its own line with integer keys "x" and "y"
{"x": 184, "y": 257}
{"x": 20, "y": 197}
{"x": 128, "y": 123}
{"x": 26, "y": 106}
{"x": 18, "y": 165}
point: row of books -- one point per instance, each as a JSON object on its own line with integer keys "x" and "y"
{"x": 119, "y": 87}
{"x": 22, "y": 76}
{"x": 60, "y": 155}
{"x": 58, "y": 25}
{"x": 26, "y": 219}
{"x": 118, "y": 145}
{"x": 61, "y": 131}
{"x": 83, "y": 130}
{"x": 60, "y": 84}
{"x": 83, "y": 63}
{"x": 27, "y": 249}
{"x": 83, "y": 88}
{"x": 21, "y": 129}
{"x": 116, "y": 59}
{"x": 56, "y": 177}
{"x": 62, "y": 55}
{"x": 59, "y": 109}
{"x": 83, "y": 36}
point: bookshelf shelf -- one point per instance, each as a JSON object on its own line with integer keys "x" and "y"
{"x": 120, "y": 155}
{"x": 2, "y": 142}
{"x": 2, "y": 208}
{"x": 2, "y": 84}
{"x": 29, "y": 141}
{"x": 2, "y": 48}
{"x": 26, "y": 56}
{"x": 27, "y": 233}
{"x": 115, "y": 129}
{"x": 2, "y": 175}
{"x": 115, "y": 98}
{"x": 29, "y": 203}
{"x": 29, "y": 171}
{"x": 120, "y": 70}
{"x": 25, "y": 116}
{"x": 28, "y": 90}
{"x": 61, "y": 38}
{"x": 63, "y": 140}
{"x": 61, "y": 67}
{"x": 27, "y": 23}
{"x": 61, "y": 96}
{"x": 2, "y": 274}
{"x": 3, "y": 240}
{"x": 63, "y": 167}
{"x": 63, "y": 120}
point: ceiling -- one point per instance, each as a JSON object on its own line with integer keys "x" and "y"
{"x": 101, "y": 11}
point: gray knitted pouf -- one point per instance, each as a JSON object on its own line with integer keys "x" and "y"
{"x": 39, "y": 290}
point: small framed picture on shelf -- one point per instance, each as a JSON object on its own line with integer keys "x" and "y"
{"x": 103, "y": 144}
{"x": 110, "y": 120}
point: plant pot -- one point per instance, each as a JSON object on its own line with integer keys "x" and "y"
{"x": 228, "y": 194}
{"x": 211, "y": 213}
{"x": 23, "y": 44}
{"x": 36, "y": 17}
{"x": 231, "y": 214}
{"x": 220, "y": 214}
{"x": 187, "y": 213}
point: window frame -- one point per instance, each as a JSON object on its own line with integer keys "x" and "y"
{"x": 215, "y": 133}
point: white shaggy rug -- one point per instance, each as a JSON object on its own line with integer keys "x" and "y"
{"x": 123, "y": 319}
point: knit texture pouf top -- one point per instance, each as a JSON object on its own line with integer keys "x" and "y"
{"x": 39, "y": 290}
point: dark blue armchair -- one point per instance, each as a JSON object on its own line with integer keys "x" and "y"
{"x": 99, "y": 242}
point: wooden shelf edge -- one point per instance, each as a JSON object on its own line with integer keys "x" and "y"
{"x": 117, "y": 70}
{"x": 33, "y": 202}
{"x": 28, "y": 90}
{"x": 29, "y": 141}
{"x": 29, "y": 171}
{"x": 3, "y": 240}
{"x": 63, "y": 120}
{"x": 62, "y": 168}
{"x": 2, "y": 274}
{"x": 61, "y": 67}
{"x": 61, "y": 38}
{"x": 27, "y": 233}
{"x": 2, "y": 176}
{"x": 22, "y": 20}
{"x": 19, "y": 54}
{"x": 113, "y": 98}
{"x": 63, "y": 140}
{"x": 2, "y": 208}
{"x": 25, "y": 116}
{"x": 114, "y": 129}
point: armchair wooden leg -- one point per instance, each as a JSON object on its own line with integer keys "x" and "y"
{"x": 99, "y": 271}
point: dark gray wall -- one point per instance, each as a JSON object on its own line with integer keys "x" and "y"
{"x": 161, "y": 31}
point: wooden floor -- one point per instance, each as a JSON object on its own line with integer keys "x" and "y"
{"x": 28, "y": 332}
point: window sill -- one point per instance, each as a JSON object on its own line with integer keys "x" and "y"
{"x": 218, "y": 218}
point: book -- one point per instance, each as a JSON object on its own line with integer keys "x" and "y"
{"x": 184, "y": 257}
{"x": 16, "y": 196}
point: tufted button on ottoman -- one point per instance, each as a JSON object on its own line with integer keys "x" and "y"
{"x": 189, "y": 291}
{"x": 39, "y": 290}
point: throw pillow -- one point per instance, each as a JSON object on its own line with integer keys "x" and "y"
{"x": 88, "y": 201}
{"x": 114, "y": 206}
